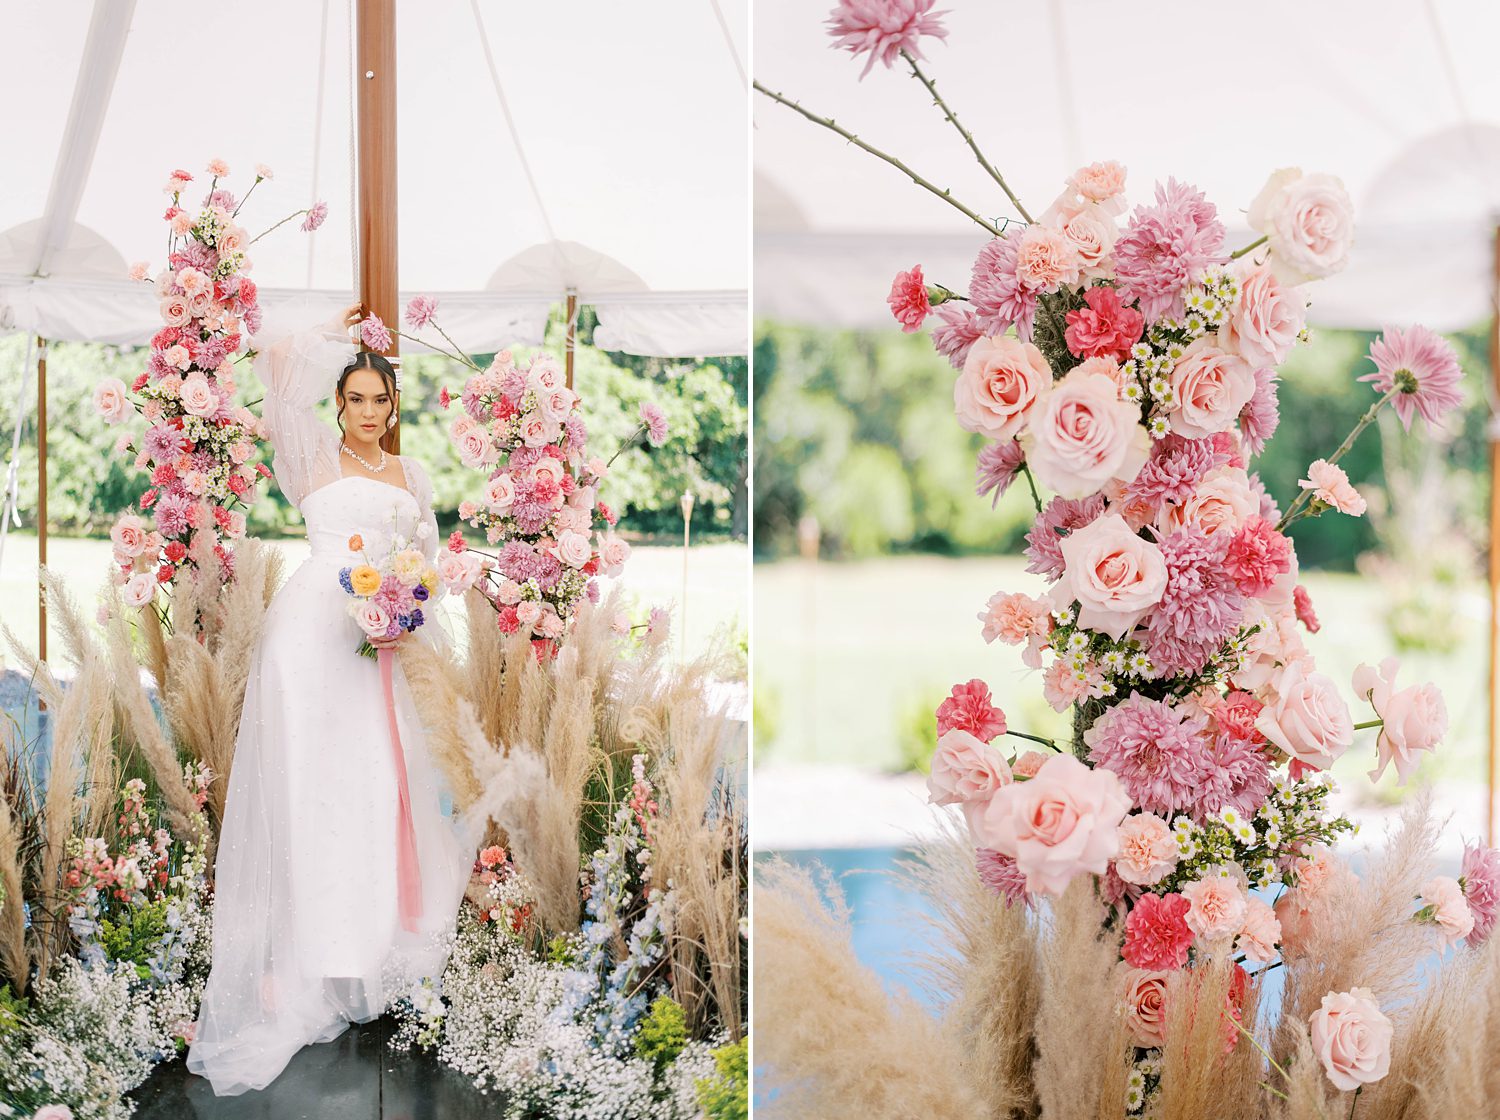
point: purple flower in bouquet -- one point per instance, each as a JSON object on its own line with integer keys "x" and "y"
{"x": 172, "y": 514}
{"x": 1481, "y": 880}
{"x": 999, "y": 463}
{"x": 1000, "y": 873}
{"x": 956, "y": 333}
{"x": 1420, "y": 364}
{"x": 1000, "y": 298}
{"x": 315, "y": 217}
{"x": 575, "y": 434}
{"x": 513, "y": 385}
{"x": 1261, "y": 416}
{"x": 419, "y": 311}
{"x": 518, "y": 561}
{"x": 163, "y": 442}
{"x": 1201, "y": 607}
{"x": 656, "y": 423}
{"x": 1239, "y": 775}
{"x": 222, "y": 198}
{"x": 1168, "y": 247}
{"x": 373, "y": 333}
{"x": 883, "y": 29}
{"x": 195, "y": 254}
{"x": 1058, "y": 518}
{"x": 1160, "y": 755}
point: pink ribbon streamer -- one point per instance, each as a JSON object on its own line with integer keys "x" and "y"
{"x": 408, "y": 874}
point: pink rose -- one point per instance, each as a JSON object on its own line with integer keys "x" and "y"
{"x": 1211, "y": 388}
{"x": 1028, "y": 764}
{"x": 544, "y": 375}
{"x": 1307, "y": 718}
{"x": 529, "y": 612}
{"x": 138, "y": 270}
{"x": 232, "y": 240}
{"x": 474, "y": 448}
{"x": 1081, "y": 435}
{"x": 199, "y": 304}
{"x": 1092, "y": 234}
{"x": 457, "y": 575}
{"x": 999, "y": 386}
{"x": 1216, "y": 907}
{"x": 550, "y": 625}
{"x": 1416, "y": 719}
{"x": 139, "y": 589}
{"x": 462, "y": 424}
{"x": 500, "y": 493}
{"x": 613, "y": 552}
{"x": 198, "y": 397}
{"x": 111, "y": 400}
{"x": 1260, "y": 931}
{"x": 537, "y": 431}
{"x": 1144, "y": 994}
{"x": 1148, "y": 851}
{"x": 1223, "y": 503}
{"x": 372, "y": 618}
{"x": 1308, "y": 221}
{"x": 573, "y": 548}
{"x": 129, "y": 535}
{"x": 1063, "y": 821}
{"x": 53, "y": 1112}
{"x": 1351, "y": 1038}
{"x": 1046, "y": 259}
{"x": 509, "y": 592}
{"x": 1263, "y": 325}
{"x": 549, "y": 468}
{"x": 965, "y": 769}
{"x": 598, "y": 468}
{"x": 1331, "y": 485}
{"x": 234, "y": 528}
{"x": 174, "y": 311}
{"x": 1444, "y": 905}
{"x": 575, "y": 518}
{"x": 557, "y": 404}
{"x": 1115, "y": 576}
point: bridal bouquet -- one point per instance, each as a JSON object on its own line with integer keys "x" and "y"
{"x": 520, "y": 424}
{"x": 198, "y": 444}
{"x": 1125, "y": 360}
{"x": 387, "y": 593}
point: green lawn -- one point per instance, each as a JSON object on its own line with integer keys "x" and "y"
{"x": 718, "y": 582}
{"x": 846, "y": 653}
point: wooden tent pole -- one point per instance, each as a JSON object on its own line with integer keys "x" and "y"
{"x": 375, "y": 29}
{"x": 41, "y": 490}
{"x": 572, "y": 343}
{"x": 1493, "y": 824}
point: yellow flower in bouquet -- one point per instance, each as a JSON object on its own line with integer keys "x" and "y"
{"x": 365, "y": 580}
{"x": 409, "y": 565}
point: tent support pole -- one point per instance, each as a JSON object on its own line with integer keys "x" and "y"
{"x": 1493, "y": 823}
{"x": 41, "y": 491}
{"x": 572, "y": 343}
{"x": 375, "y": 29}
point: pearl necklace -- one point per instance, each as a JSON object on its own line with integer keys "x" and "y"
{"x": 358, "y": 458}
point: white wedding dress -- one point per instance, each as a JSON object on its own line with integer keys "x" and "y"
{"x": 306, "y": 936}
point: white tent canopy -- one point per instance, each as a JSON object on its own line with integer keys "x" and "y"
{"x": 589, "y": 148}
{"x": 1399, "y": 98}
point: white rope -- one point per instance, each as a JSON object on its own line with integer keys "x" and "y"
{"x": 12, "y": 474}
{"x": 729, "y": 42}
{"x": 353, "y": 68}
{"x": 317, "y": 160}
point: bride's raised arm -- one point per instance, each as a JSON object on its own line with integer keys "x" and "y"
{"x": 299, "y": 369}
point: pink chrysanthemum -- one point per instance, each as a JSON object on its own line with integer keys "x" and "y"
{"x": 419, "y": 311}
{"x": 656, "y": 423}
{"x": 1000, "y": 873}
{"x": 956, "y": 334}
{"x": 908, "y": 299}
{"x": 1256, "y": 556}
{"x": 315, "y": 217}
{"x": 1172, "y": 473}
{"x": 1262, "y": 414}
{"x": 1481, "y": 879}
{"x": 1201, "y": 606}
{"x": 999, "y": 464}
{"x": 1239, "y": 775}
{"x": 1423, "y": 366}
{"x": 172, "y": 514}
{"x": 1302, "y": 604}
{"x": 884, "y": 28}
{"x": 374, "y": 334}
{"x": 1058, "y": 518}
{"x": 969, "y": 709}
{"x": 1160, "y": 755}
{"x": 1167, "y": 248}
{"x": 1156, "y": 932}
{"x": 999, "y": 296}
{"x": 163, "y": 442}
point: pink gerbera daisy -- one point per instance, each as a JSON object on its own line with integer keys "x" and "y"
{"x": 884, "y": 28}
{"x": 1423, "y": 367}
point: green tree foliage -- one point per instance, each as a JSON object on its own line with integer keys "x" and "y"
{"x": 705, "y": 402}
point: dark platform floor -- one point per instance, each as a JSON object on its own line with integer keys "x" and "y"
{"x": 355, "y": 1077}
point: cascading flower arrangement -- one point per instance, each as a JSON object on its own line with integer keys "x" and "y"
{"x": 199, "y": 444}
{"x": 520, "y": 424}
{"x": 1125, "y": 360}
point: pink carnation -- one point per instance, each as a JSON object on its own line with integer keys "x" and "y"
{"x": 1156, "y": 932}
{"x": 1481, "y": 882}
{"x": 908, "y": 299}
{"x": 1018, "y": 619}
{"x": 998, "y": 295}
{"x": 1167, "y": 248}
{"x": 1302, "y": 604}
{"x": 1330, "y": 484}
{"x": 999, "y": 464}
{"x": 1256, "y": 556}
{"x": 1001, "y": 875}
{"x": 956, "y": 334}
{"x": 1058, "y": 518}
{"x": 1160, "y": 754}
{"x": 315, "y": 217}
{"x": 969, "y": 709}
{"x": 1216, "y": 907}
{"x": 1423, "y": 366}
{"x": 1106, "y": 327}
{"x": 883, "y": 29}
{"x": 656, "y": 423}
{"x": 1201, "y": 607}
{"x": 419, "y": 311}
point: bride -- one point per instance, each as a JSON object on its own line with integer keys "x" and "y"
{"x": 308, "y": 935}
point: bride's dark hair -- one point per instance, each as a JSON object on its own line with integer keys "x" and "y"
{"x": 368, "y": 359}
